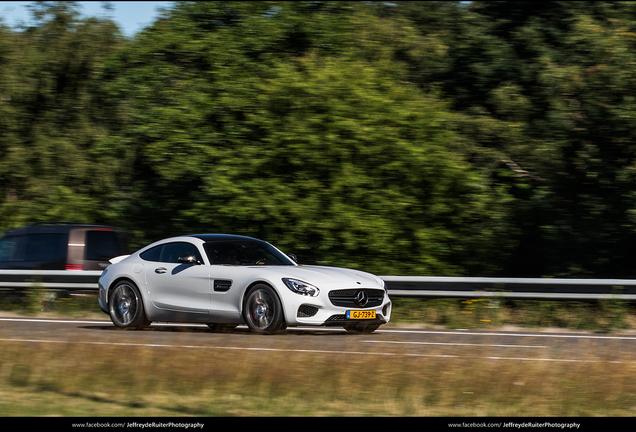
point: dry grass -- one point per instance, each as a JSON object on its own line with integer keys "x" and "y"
{"x": 598, "y": 316}
{"x": 83, "y": 380}
{"x": 105, "y": 380}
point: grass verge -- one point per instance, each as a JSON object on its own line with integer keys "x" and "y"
{"x": 596, "y": 316}
{"x": 126, "y": 381}
{"x": 80, "y": 380}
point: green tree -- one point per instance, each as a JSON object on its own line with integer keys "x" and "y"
{"x": 546, "y": 95}
{"x": 54, "y": 165}
{"x": 294, "y": 122}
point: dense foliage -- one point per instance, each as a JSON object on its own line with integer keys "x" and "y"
{"x": 423, "y": 138}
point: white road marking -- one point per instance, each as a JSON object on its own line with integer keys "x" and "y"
{"x": 550, "y": 335}
{"x": 214, "y": 347}
{"x": 456, "y": 344}
{"x": 450, "y": 333}
{"x": 303, "y": 351}
{"x": 337, "y": 329}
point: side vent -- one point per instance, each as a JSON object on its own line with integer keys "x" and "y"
{"x": 306, "y": 311}
{"x": 221, "y": 285}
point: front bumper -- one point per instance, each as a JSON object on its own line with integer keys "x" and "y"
{"x": 332, "y": 311}
{"x": 103, "y": 303}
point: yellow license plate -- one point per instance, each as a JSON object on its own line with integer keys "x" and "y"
{"x": 360, "y": 314}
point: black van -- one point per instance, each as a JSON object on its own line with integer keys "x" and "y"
{"x": 61, "y": 246}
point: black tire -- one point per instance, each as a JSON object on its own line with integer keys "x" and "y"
{"x": 263, "y": 311}
{"x": 126, "y": 307}
{"x": 362, "y": 327}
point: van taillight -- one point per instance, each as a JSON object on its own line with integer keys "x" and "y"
{"x": 74, "y": 267}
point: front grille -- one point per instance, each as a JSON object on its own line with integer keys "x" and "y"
{"x": 306, "y": 311}
{"x": 357, "y": 298}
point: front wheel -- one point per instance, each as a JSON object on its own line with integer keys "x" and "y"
{"x": 126, "y": 308}
{"x": 263, "y": 311}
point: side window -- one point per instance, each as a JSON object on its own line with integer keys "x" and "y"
{"x": 222, "y": 253}
{"x": 9, "y": 248}
{"x": 152, "y": 254}
{"x": 102, "y": 245}
{"x": 46, "y": 247}
{"x": 171, "y": 252}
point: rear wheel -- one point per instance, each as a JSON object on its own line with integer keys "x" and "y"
{"x": 126, "y": 308}
{"x": 263, "y": 311}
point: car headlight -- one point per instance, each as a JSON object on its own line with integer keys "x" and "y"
{"x": 300, "y": 287}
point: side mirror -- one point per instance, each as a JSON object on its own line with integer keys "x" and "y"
{"x": 293, "y": 257}
{"x": 189, "y": 259}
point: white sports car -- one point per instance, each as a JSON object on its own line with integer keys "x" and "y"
{"x": 226, "y": 280}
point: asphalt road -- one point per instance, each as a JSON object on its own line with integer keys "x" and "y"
{"x": 522, "y": 346}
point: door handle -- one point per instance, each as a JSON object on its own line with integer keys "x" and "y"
{"x": 160, "y": 270}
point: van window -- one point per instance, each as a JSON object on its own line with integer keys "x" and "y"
{"x": 46, "y": 247}
{"x": 9, "y": 248}
{"x": 102, "y": 245}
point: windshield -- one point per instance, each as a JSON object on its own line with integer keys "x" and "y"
{"x": 245, "y": 253}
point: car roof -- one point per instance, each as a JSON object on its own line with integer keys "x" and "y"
{"x": 221, "y": 237}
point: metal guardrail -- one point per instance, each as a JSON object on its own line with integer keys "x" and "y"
{"x": 72, "y": 280}
{"x": 398, "y": 286}
{"x": 514, "y": 288}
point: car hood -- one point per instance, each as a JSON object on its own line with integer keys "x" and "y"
{"x": 327, "y": 277}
